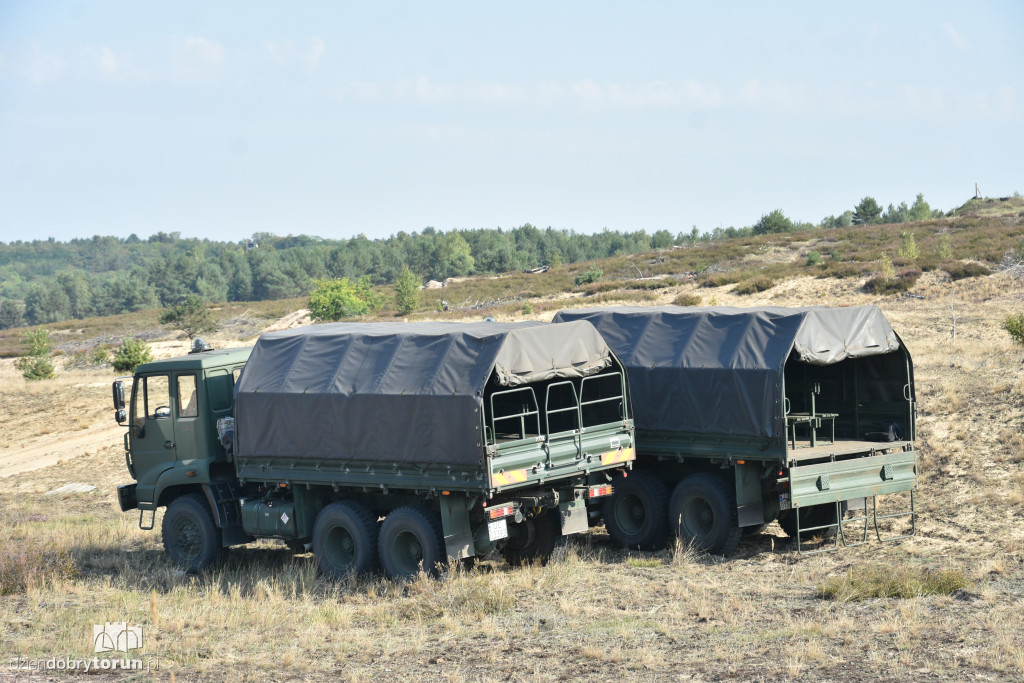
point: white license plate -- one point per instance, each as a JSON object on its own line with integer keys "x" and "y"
{"x": 784, "y": 501}
{"x": 497, "y": 530}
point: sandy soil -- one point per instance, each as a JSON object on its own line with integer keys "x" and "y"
{"x": 595, "y": 614}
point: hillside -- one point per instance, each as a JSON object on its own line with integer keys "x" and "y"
{"x": 594, "y": 612}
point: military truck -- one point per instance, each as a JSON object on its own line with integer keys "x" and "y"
{"x": 399, "y": 446}
{"x": 748, "y": 415}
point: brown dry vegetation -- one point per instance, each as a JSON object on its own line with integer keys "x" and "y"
{"x": 594, "y": 613}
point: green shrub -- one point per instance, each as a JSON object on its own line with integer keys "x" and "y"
{"x": 909, "y": 251}
{"x": 588, "y": 276}
{"x": 959, "y": 271}
{"x": 332, "y": 300}
{"x": 36, "y": 349}
{"x": 758, "y": 284}
{"x": 686, "y": 300}
{"x": 648, "y": 284}
{"x": 1014, "y": 324}
{"x": 131, "y": 354}
{"x": 527, "y": 308}
{"x": 407, "y": 292}
{"x": 900, "y": 283}
{"x": 720, "y": 279}
{"x": 813, "y": 258}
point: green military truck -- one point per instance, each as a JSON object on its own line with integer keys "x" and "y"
{"x": 748, "y": 415}
{"x": 399, "y": 446}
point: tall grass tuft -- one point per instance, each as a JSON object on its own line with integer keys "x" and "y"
{"x": 865, "y": 583}
{"x": 23, "y": 565}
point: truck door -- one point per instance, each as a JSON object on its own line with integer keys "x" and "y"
{"x": 152, "y": 432}
{"x": 189, "y": 436}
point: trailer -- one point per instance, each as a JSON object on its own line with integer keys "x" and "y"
{"x": 380, "y": 445}
{"x": 749, "y": 415}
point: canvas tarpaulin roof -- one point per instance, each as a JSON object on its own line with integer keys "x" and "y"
{"x": 719, "y": 370}
{"x": 395, "y": 392}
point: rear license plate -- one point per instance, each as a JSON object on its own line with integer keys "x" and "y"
{"x": 497, "y": 530}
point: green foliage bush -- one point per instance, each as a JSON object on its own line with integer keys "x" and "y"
{"x": 959, "y": 271}
{"x": 190, "y": 316}
{"x": 909, "y": 251}
{"x": 131, "y": 354}
{"x": 648, "y": 284}
{"x": 588, "y": 276}
{"x": 773, "y": 222}
{"x": 332, "y": 300}
{"x": 758, "y": 284}
{"x": 527, "y": 308}
{"x": 899, "y": 283}
{"x": 407, "y": 292}
{"x": 687, "y": 300}
{"x": 814, "y": 258}
{"x": 35, "y": 363}
{"x": 1014, "y": 325}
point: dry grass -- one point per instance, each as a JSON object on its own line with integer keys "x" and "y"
{"x": 594, "y": 612}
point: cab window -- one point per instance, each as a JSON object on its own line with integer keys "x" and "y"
{"x": 188, "y": 403}
{"x": 152, "y": 399}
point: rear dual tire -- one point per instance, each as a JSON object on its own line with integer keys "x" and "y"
{"x": 702, "y": 512}
{"x": 634, "y": 515}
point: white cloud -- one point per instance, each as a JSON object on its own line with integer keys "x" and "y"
{"x": 315, "y": 53}
{"x": 106, "y": 60}
{"x": 954, "y": 36}
{"x": 286, "y": 52}
{"x": 43, "y": 66}
{"x": 205, "y": 52}
{"x": 907, "y": 102}
{"x": 197, "y": 59}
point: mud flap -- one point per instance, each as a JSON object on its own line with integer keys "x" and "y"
{"x": 749, "y": 502}
{"x": 458, "y": 536}
{"x": 574, "y": 515}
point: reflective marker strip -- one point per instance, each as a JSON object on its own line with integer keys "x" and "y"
{"x": 506, "y": 478}
{"x": 621, "y": 455}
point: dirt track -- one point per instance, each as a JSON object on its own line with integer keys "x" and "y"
{"x": 53, "y": 449}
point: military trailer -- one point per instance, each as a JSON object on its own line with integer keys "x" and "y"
{"x": 748, "y": 415}
{"x": 399, "y": 446}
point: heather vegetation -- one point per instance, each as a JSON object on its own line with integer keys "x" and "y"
{"x": 45, "y": 281}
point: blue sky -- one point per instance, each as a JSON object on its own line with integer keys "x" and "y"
{"x": 224, "y": 119}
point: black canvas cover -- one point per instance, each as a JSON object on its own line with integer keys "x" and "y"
{"x": 395, "y": 392}
{"x": 719, "y": 370}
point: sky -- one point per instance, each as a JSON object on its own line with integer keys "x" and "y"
{"x": 225, "y": 119}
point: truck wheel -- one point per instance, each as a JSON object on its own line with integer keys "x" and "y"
{"x": 635, "y": 514}
{"x": 191, "y": 540}
{"x": 810, "y": 516}
{"x": 533, "y": 539}
{"x": 345, "y": 540}
{"x": 411, "y": 541}
{"x": 703, "y": 511}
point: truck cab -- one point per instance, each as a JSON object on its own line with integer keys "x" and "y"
{"x": 172, "y": 446}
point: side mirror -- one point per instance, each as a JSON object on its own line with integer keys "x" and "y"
{"x": 118, "y": 391}
{"x": 121, "y": 416}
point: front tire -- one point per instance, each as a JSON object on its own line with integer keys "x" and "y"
{"x": 411, "y": 541}
{"x": 345, "y": 540}
{"x": 191, "y": 540}
{"x": 635, "y": 514}
{"x": 702, "y": 511}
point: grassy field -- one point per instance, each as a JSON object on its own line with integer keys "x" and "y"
{"x": 944, "y": 605}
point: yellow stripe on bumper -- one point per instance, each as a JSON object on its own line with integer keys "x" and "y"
{"x": 621, "y": 455}
{"x": 507, "y": 478}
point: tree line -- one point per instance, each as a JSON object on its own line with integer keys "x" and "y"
{"x": 47, "y": 281}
